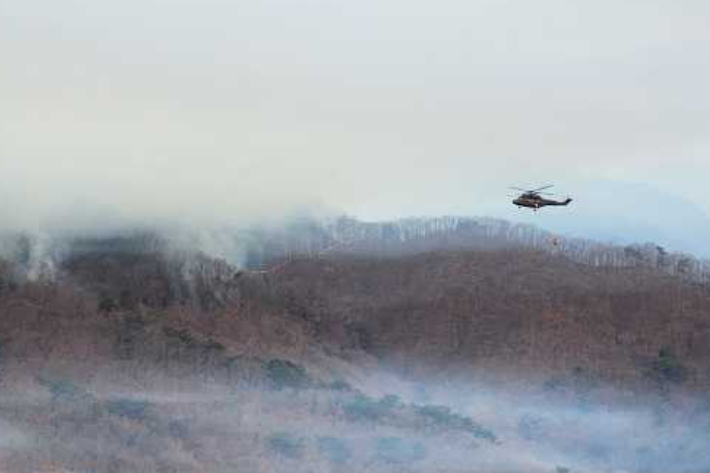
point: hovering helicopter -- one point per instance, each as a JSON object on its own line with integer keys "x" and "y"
{"x": 532, "y": 198}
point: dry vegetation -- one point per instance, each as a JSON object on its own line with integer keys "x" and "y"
{"x": 131, "y": 359}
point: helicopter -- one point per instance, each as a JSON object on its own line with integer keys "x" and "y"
{"x": 532, "y": 198}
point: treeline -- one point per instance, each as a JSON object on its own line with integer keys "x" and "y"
{"x": 347, "y": 235}
{"x": 262, "y": 248}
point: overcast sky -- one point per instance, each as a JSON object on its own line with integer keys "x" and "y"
{"x": 222, "y": 109}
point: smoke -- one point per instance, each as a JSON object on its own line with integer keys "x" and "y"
{"x": 108, "y": 194}
{"x": 323, "y": 430}
{"x": 217, "y": 114}
{"x": 12, "y": 438}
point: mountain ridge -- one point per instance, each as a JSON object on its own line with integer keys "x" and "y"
{"x": 412, "y": 351}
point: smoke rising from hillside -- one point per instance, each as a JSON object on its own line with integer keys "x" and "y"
{"x": 322, "y": 431}
{"x": 12, "y": 438}
{"x": 106, "y": 195}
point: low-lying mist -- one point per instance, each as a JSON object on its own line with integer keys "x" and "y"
{"x": 290, "y": 426}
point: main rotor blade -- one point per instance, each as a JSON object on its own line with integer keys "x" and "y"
{"x": 518, "y": 189}
{"x": 543, "y": 188}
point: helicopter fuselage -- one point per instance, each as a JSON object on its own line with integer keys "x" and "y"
{"x": 538, "y": 202}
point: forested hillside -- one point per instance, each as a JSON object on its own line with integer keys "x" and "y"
{"x": 444, "y": 348}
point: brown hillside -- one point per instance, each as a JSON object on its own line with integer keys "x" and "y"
{"x": 507, "y": 313}
{"x": 183, "y": 363}
{"x": 518, "y": 311}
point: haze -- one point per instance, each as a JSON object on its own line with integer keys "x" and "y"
{"x": 220, "y": 111}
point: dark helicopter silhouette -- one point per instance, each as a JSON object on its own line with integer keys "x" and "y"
{"x": 532, "y": 198}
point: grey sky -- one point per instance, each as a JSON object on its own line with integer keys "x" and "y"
{"x": 219, "y": 110}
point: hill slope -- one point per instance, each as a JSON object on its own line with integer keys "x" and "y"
{"x": 431, "y": 353}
